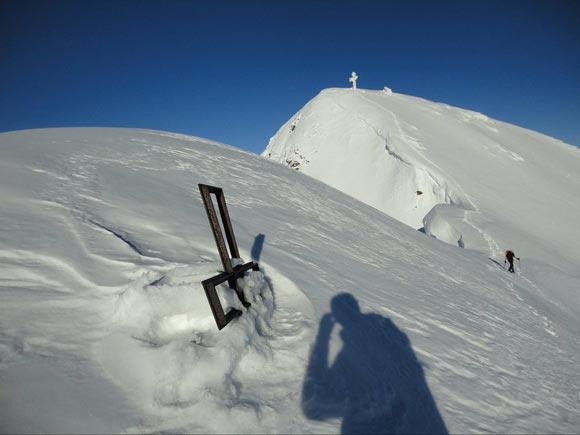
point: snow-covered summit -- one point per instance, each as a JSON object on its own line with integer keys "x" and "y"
{"x": 465, "y": 178}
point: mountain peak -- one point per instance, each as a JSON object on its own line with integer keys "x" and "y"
{"x": 457, "y": 174}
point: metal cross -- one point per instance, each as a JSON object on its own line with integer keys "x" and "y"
{"x": 353, "y": 78}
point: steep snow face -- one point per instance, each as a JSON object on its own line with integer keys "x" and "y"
{"x": 360, "y": 148}
{"x": 502, "y": 186}
{"x": 358, "y": 323}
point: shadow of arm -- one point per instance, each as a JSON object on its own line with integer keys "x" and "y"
{"x": 318, "y": 402}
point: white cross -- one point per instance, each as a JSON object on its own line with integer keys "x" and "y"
{"x": 352, "y": 79}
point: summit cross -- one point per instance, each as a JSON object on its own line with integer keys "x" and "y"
{"x": 353, "y": 78}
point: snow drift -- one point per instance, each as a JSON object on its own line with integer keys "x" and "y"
{"x": 359, "y": 323}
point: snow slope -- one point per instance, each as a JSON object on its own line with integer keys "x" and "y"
{"x": 465, "y": 178}
{"x": 457, "y": 175}
{"x": 358, "y": 322}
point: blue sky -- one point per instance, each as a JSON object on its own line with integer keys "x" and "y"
{"x": 236, "y": 71}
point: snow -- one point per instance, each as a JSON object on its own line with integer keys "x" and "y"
{"x": 358, "y": 322}
{"x": 485, "y": 184}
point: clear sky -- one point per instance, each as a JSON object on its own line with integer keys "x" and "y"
{"x": 235, "y": 71}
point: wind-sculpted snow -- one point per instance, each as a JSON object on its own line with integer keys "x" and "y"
{"x": 357, "y": 323}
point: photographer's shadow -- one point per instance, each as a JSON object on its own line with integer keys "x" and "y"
{"x": 375, "y": 384}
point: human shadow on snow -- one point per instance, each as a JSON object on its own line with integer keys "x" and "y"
{"x": 497, "y": 262}
{"x": 375, "y": 384}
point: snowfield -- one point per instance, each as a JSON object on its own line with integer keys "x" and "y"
{"x": 359, "y": 323}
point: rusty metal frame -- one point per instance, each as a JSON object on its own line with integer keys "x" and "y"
{"x": 231, "y": 273}
{"x": 209, "y": 285}
{"x": 206, "y": 191}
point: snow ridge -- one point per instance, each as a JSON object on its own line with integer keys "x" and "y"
{"x": 330, "y": 138}
{"x": 434, "y": 155}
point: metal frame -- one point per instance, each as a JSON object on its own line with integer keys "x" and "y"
{"x": 205, "y": 191}
{"x": 209, "y": 285}
{"x": 230, "y": 274}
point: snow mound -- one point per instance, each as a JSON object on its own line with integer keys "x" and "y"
{"x": 175, "y": 356}
{"x": 448, "y": 223}
{"x": 175, "y": 331}
{"x": 161, "y": 311}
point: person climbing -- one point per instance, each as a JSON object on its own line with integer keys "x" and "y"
{"x": 509, "y": 256}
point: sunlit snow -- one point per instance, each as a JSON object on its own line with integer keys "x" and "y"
{"x": 358, "y": 322}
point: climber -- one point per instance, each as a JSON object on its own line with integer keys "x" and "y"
{"x": 509, "y": 256}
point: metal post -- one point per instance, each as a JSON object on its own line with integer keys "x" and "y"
{"x": 215, "y": 226}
